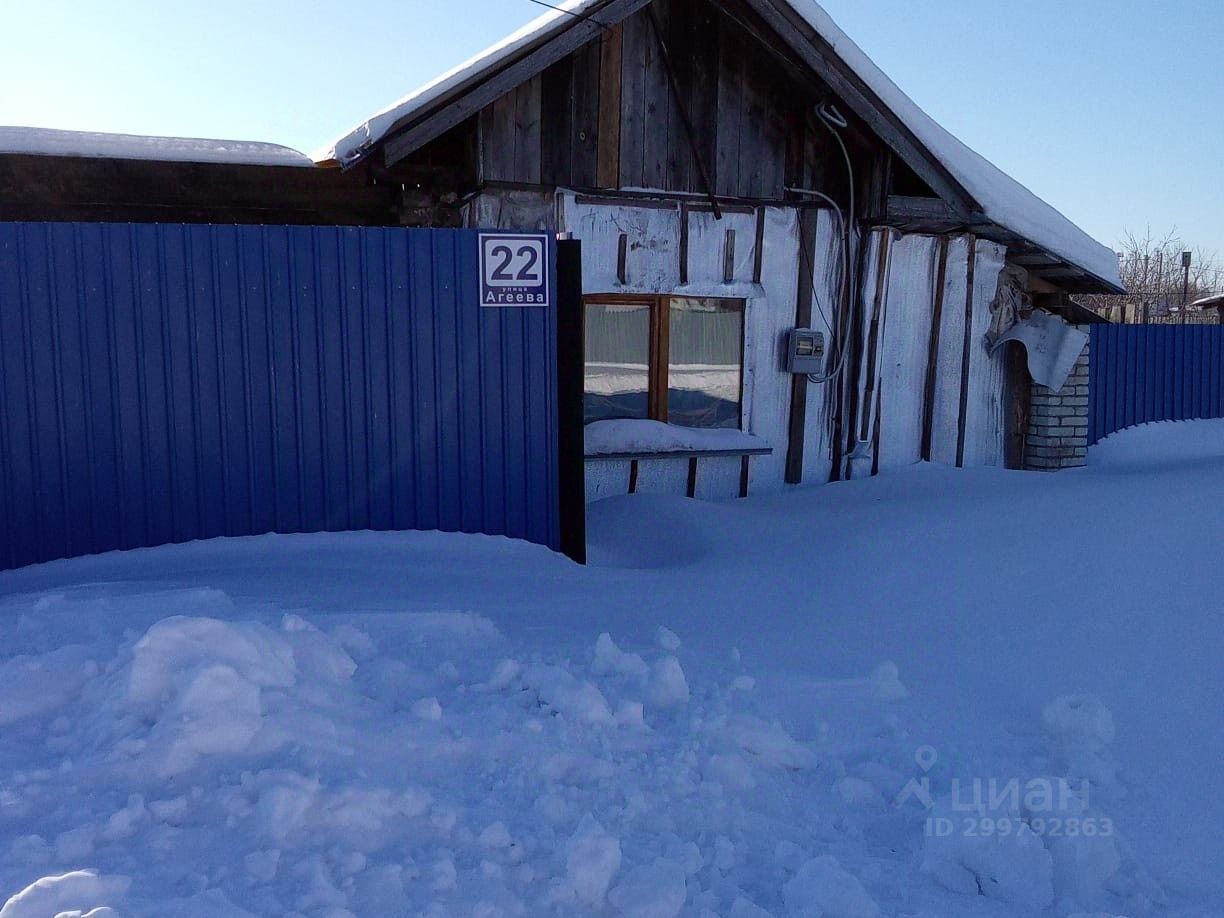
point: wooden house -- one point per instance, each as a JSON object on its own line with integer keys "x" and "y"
{"x": 791, "y": 273}
{"x": 736, "y": 170}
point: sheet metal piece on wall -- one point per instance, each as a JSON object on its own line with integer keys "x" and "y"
{"x": 1051, "y": 346}
{"x": 165, "y": 383}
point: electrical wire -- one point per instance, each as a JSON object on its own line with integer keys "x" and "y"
{"x": 834, "y": 121}
{"x": 843, "y": 280}
{"x": 586, "y": 17}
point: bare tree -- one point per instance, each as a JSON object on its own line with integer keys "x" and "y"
{"x": 1155, "y": 280}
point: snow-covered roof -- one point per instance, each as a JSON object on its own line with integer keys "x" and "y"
{"x": 51, "y": 142}
{"x": 353, "y": 145}
{"x": 1000, "y": 198}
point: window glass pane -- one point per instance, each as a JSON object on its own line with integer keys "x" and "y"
{"x": 705, "y": 362}
{"x": 617, "y": 360}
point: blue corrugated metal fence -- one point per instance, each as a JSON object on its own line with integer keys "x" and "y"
{"x": 1141, "y": 373}
{"x": 164, "y": 383}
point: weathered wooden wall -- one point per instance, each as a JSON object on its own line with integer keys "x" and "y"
{"x": 88, "y": 190}
{"x": 919, "y": 381}
{"x": 680, "y": 248}
{"x": 608, "y": 117}
{"x": 933, "y": 389}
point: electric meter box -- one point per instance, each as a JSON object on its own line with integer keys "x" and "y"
{"x": 805, "y": 351}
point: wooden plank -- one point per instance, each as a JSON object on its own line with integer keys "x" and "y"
{"x": 652, "y": 202}
{"x": 494, "y": 163}
{"x": 753, "y": 147}
{"x": 503, "y": 141}
{"x": 729, "y": 257}
{"x": 470, "y": 96}
{"x": 879, "y": 184}
{"x": 556, "y": 123}
{"x": 773, "y": 130}
{"x": 765, "y": 43}
{"x": 656, "y": 104}
{"x": 946, "y": 414}
{"x": 527, "y": 134}
{"x": 908, "y": 209}
{"x": 928, "y": 409}
{"x": 853, "y": 412}
{"x": 904, "y": 365}
{"x": 584, "y": 121}
{"x": 808, "y": 220}
{"x": 793, "y": 29}
{"x": 704, "y": 110}
{"x": 645, "y": 456}
{"x": 1036, "y": 260}
{"x": 758, "y": 252}
{"x": 878, "y": 425}
{"x": 965, "y": 356}
{"x": 633, "y": 100}
{"x": 986, "y": 416}
{"x": 660, "y": 358}
{"x": 681, "y": 174}
{"x": 880, "y": 302}
{"x": 730, "y": 110}
{"x": 684, "y": 242}
{"x": 703, "y": 206}
{"x": 795, "y": 171}
{"x": 609, "y": 139}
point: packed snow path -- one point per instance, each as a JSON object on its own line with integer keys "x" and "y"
{"x": 782, "y": 706}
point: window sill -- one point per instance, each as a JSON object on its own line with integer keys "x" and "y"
{"x": 680, "y": 454}
{"x": 639, "y": 439}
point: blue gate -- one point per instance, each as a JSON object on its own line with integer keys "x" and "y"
{"x": 1141, "y": 373}
{"x": 165, "y": 383}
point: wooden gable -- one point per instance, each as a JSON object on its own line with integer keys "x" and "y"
{"x": 612, "y": 114}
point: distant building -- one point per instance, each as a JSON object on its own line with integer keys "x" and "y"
{"x": 1209, "y": 305}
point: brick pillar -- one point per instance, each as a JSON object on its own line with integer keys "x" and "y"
{"x": 1057, "y": 435}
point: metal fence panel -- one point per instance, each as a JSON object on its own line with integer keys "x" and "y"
{"x": 1142, "y": 373}
{"x": 163, "y": 383}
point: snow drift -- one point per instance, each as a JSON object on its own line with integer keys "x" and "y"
{"x": 932, "y": 693}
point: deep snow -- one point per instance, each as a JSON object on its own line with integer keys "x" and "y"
{"x": 781, "y": 706}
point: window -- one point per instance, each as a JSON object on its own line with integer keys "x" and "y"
{"x": 668, "y": 358}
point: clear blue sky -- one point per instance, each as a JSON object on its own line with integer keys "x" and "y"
{"x": 1112, "y": 110}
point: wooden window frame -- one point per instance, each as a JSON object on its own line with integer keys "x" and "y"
{"x": 658, "y": 354}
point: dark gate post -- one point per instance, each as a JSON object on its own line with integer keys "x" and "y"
{"x": 570, "y": 372}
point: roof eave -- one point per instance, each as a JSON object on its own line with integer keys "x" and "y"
{"x": 431, "y": 119}
{"x": 1040, "y": 262}
{"x": 480, "y": 77}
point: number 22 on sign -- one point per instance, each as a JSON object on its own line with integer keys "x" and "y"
{"x": 513, "y": 269}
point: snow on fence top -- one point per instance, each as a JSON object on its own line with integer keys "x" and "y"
{"x": 1001, "y": 198}
{"x": 50, "y": 142}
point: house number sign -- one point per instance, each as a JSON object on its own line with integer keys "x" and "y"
{"x": 514, "y": 269}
